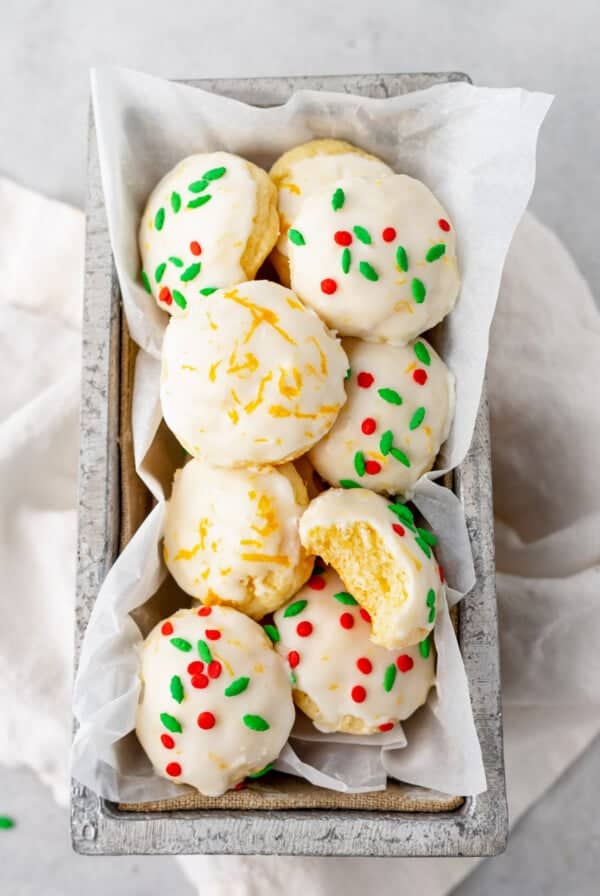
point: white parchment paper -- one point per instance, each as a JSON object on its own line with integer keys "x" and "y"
{"x": 475, "y": 148}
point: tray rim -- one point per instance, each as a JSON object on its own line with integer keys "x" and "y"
{"x": 479, "y": 826}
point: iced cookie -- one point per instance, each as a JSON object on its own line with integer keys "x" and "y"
{"x": 209, "y": 223}
{"x": 383, "y": 558}
{"x": 309, "y": 168}
{"x": 341, "y": 680}
{"x": 398, "y": 413}
{"x": 251, "y": 376}
{"x": 375, "y": 258}
{"x": 231, "y": 536}
{"x": 216, "y": 703}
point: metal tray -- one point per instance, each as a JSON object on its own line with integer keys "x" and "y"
{"x": 479, "y": 826}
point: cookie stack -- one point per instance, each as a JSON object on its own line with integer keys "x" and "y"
{"x": 304, "y": 404}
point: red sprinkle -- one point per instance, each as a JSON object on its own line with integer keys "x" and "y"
{"x": 196, "y": 668}
{"x": 398, "y": 529}
{"x": 343, "y": 237}
{"x": 347, "y": 620}
{"x": 358, "y": 693}
{"x": 328, "y": 286}
{"x": 365, "y": 380}
{"x": 195, "y": 248}
{"x": 293, "y": 658}
{"x": 420, "y": 376}
{"x": 405, "y": 663}
{"x": 364, "y": 665}
{"x": 443, "y": 225}
{"x": 214, "y": 669}
{"x": 373, "y": 467}
{"x": 213, "y": 634}
{"x": 365, "y": 615}
{"x": 206, "y": 720}
{"x": 304, "y": 629}
{"x": 199, "y": 681}
{"x": 167, "y": 628}
{"x": 240, "y": 786}
{"x": 167, "y": 741}
{"x": 165, "y": 296}
{"x": 368, "y": 426}
{"x": 441, "y": 574}
{"x": 317, "y": 583}
{"x": 204, "y": 611}
{"x": 388, "y": 235}
{"x": 387, "y": 726}
{"x": 173, "y": 769}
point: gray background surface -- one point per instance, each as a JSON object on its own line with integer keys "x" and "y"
{"x": 46, "y": 49}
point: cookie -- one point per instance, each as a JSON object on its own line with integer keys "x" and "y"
{"x": 309, "y": 168}
{"x": 216, "y": 704}
{"x": 384, "y": 559}
{"x": 375, "y": 258}
{"x": 341, "y": 680}
{"x": 209, "y": 223}
{"x": 231, "y": 536}
{"x": 398, "y": 413}
{"x": 251, "y": 376}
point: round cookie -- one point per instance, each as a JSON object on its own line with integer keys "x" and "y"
{"x": 375, "y": 258}
{"x": 385, "y": 560}
{"x": 342, "y": 681}
{"x": 231, "y": 536}
{"x": 209, "y": 223}
{"x": 216, "y": 703}
{"x": 309, "y": 168}
{"x": 398, "y": 413}
{"x": 251, "y": 376}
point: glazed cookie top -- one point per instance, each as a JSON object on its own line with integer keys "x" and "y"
{"x": 216, "y": 703}
{"x": 383, "y": 557}
{"x": 251, "y": 376}
{"x": 353, "y": 685}
{"x": 231, "y": 536}
{"x": 198, "y": 230}
{"x": 398, "y": 413}
{"x": 376, "y": 259}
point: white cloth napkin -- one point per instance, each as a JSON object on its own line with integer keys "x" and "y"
{"x": 543, "y": 372}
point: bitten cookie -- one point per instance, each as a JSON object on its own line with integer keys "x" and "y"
{"x": 375, "y": 258}
{"x": 251, "y": 376}
{"x": 306, "y": 169}
{"x": 398, "y": 413}
{"x": 385, "y": 561}
{"x": 209, "y": 223}
{"x": 231, "y": 536}
{"x": 341, "y": 680}
{"x": 216, "y": 703}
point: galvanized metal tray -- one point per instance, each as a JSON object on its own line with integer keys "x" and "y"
{"x": 479, "y": 825}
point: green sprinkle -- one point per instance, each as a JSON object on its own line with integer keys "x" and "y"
{"x": 158, "y": 273}
{"x": 368, "y": 271}
{"x": 386, "y": 442}
{"x": 170, "y": 723}
{"x": 424, "y": 648}
{"x": 175, "y": 202}
{"x": 296, "y": 237}
{"x": 427, "y": 537}
{"x": 348, "y": 373}
{"x": 179, "y": 299}
{"x": 403, "y": 513}
{"x": 208, "y": 290}
{"x": 431, "y": 616}
{"x": 349, "y": 483}
{"x": 6, "y": 823}
{"x": 435, "y": 252}
{"x": 198, "y": 186}
{"x": 390, "y": 395}
{"x": 424, "y": 546}
{"x": 214, "y": 173}
{"x": 176, "y": 689}
{"x": 359, "y": 463}
{"x": 389, "y": 678}
{"x": 273, "y": 634}
{"x": 338, "y": 199}
{"x": 422, "y": 353}
{"x": 176, "y": 261}
{"x": 146, "y": 282}
{"x": 363, "y": 235}
{"x": 402, "y": 258}
{"x": 192, "y": 271}
{"x": 400, "y": 456}
{"x": 294, "y": 608}
{"x": 237, "y": 687}
{"x": 204, "y": 651}
{"x": 345, "y": 598}
{"x": 293, "y": 678}
{"x": 181, "y": 644}
{"x": 201, "y": 200}
{"x": 346, "y": 259}
{"x": 418, "y": 290}
{"x": 430, "y": 599}
{"x": 255, "y": 723}
{"x": 159, "y": 219}
{"x": 262, "y": 772}
{"x": 417, "y": 418}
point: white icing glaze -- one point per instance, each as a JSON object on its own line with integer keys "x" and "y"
{"x": 231, "y": 536}
{"x": 217, "y": 756}
{"x": 401, "y": 615}
{"x": 337, "y": 665}
{"x": 391, "y": 308}
{"x": 251, "y": 376}
{"x": 220, "y": 228}
{"x": 313, "y": 174}
{"x": 425, "y": 387}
